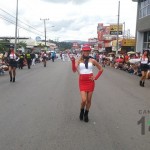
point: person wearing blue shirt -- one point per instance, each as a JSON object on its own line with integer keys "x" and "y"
{"x": 53, "y": 56}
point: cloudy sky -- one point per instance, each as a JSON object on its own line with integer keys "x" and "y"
{"x": 66, "y": 19}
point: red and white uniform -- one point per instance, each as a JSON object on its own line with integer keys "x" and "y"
{"x": 85, "y": 83}
{"x": 12, "y": 56}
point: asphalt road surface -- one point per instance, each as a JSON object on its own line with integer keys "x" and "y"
{"x": 40, "y": 111}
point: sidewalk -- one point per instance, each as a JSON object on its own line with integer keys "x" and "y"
{"x": 137, "y": 78}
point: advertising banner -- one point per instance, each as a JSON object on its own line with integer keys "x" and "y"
{"x": 114, "y": 29}
{"x": 99, "y": 27}
{"x": 128, "y": 42}
{"x": 106, "y": 30}
{"x": 100, "y": 36}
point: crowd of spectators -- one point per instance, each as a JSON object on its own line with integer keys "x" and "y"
{"x": 129, "y": 62}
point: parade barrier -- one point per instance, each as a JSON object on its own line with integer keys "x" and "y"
{"x": 134, "y": 61}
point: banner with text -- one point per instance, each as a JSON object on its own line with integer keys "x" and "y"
{"x": 114, "y": 29}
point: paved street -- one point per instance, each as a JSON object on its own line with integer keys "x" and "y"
{"x": 40, "y": 111}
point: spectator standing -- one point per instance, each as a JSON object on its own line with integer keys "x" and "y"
{"x": 33, "y": 58}
{"x": 144, "y": 67}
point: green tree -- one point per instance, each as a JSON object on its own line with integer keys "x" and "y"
{"x": 41, "y": 45}
{"x": 22, "y": 44}
{"x": 4, "y": 45}
{"x": 63, "y": 45}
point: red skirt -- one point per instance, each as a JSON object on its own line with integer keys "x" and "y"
{"x": 85, "y": 83}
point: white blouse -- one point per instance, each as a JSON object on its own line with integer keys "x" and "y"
{"x": 144, "y": 60}
{"x": 83, "y": 70}
{"x": 12, "y": 56}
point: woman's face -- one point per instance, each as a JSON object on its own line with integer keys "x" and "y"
{"x": 86, "y": 53}
{"x": 145, "y": 53}
{"x": 12, "y": 50}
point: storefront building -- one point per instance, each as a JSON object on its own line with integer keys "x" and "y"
{"x": 104, "y": 38}
{"x": 124, "y": 45}
{"x": 143, "y": 25}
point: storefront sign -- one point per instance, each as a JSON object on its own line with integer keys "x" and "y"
{"x": 114, "y": 29}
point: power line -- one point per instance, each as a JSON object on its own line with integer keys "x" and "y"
{"x": 10, "y": 21}
{"x": 19, "y": 20}
{"x": 13, "y": 22}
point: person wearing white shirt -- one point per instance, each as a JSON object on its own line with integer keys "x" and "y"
{"x": 12, "y": 64}
{"x": 84, "y": 67}
{"x": 144, "y": 67}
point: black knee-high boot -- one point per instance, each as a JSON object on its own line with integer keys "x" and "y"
{"x": 13, "y": 79}
{"x": 86, "y": 118}
{"x": 143, "y": 83}
{"x": 10, "y": 76}
{"x": 81, "y": 114}
{"x": 140, "y": 82}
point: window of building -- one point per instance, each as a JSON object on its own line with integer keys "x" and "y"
{"x": 144, "y": 9}
{"x": 140, "y": 14}
{"x": 145, "y": 36}
{"x": 148, "y": 36}
{"x": 148, "y": 10}
{"x": 144, "y": 45}
{"x": 146, "y": 42}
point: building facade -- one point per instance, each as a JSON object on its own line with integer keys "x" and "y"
{"x": 143, "y": 25}
{"x": 104, "y": 37}
{"x": 31, "y": 43}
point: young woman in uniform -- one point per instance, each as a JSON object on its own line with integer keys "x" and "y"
{"x": 144, "y": 67}
{"x": 86, "y": 78}
{"x": 12, "y": 56}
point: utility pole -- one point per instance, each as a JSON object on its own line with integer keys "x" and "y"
{"x": 18, "y": 38}
{"x": 15, "y": 47}
{"x": 118, "y": 29}
{"x": 124, "y": 30}
{"x": 45, "y": 28}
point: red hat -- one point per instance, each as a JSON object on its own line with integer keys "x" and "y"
{"x": 86, "y": 47}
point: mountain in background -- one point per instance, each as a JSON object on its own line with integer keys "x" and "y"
{"x": 76, "y": 41}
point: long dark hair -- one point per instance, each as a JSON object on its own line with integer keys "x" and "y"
{"x": 85, "y": 60}
{"x": 148, "y": 54}
{"x": 9, "y": 52}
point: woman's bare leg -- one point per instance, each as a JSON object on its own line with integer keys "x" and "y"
{"x": 10, "y": 73}
{"x": 14, "y": 74}
{"x": 88, "y": 102}
{"x": 83, "y": 103}
{"x": 83, "y": 99}
{"x": 143, "y": 78}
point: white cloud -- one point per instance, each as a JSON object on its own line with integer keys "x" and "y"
{"x": 67, "y": 1}
{"x": 73, "y": 19}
